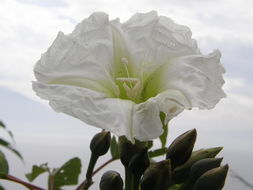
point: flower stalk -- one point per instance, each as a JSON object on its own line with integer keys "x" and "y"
{"x": 92, "y": 163}
{"x": 19, "y": 181}
{"x": 88, "y": 181}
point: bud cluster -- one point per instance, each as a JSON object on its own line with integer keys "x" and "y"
{"x": 185, "y": 169}
{"x": 182, "y": 168}
{"x": 198, "y": 170}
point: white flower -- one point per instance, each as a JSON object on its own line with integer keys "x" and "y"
{"x": 120, "y": 76}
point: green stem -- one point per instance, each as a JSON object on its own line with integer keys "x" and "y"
{"x": 88, "y": 181}
{"x": 136, "y": 182}
{"x": 131, "y": 181}
{"x": 128, "y": 179}
{"x": 92, "y": 163}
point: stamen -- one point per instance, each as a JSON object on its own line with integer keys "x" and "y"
{"x": 132, "y": 93}
{"x": 124, "y": 60}
{"x": 132, "y": 86}
{"x": 124, "y": 79}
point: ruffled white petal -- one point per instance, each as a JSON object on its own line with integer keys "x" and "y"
{"x": 121, "y": 117}
{"x": 171, "y": 102}
{"x": 197, "y": 77}
{"x": 158, "y": 39}
{"x": 146, "y": 117}
{"x": 121, "y": 51}
{"x": 94, "y": 28}
{"x": 73, "y": 61}
{"x": 89, "y": 106}
{"x": 146, "y": 121}
{"x": 203, "y": 82}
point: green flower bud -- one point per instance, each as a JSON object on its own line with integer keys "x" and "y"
{"x": 111, "y": 180}
{"x": 181, "y": 173}
{"x": 202, "y": 166}
{"x": 212, "y": 152}
{"x": 181, "y": 148}
{"x": 213, "y": 179}
{"x": 198, "y": 169}
{"x": 157, "y": 176}
{"x": 100, "y": 143}
{"x": 139, "y": 162}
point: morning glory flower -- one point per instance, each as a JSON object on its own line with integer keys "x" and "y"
{"x": 121, "y": 76}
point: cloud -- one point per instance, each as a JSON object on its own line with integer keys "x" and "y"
{"x": 44, "y": 3}
{"x": 26, "y": 31}
{"x": 236, "y": 56}
{"x": 217, "y": 19}
{"x": 29, "y": 27}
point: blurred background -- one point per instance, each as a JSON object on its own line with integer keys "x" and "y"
{"x": 28, "y": 28}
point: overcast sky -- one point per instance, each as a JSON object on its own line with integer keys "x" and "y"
{"x": 28, "y": 27}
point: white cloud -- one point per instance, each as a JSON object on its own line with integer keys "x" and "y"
{"x": 44, "y": 3}
{"x": 217, "y": 19}
{"x": 29, "y": 27}
{"x": 26, "y": 31}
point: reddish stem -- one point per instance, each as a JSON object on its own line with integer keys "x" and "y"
{"x": 19, "y": 181}
{"x": 102, "y": 166}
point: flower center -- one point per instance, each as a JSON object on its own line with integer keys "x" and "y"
{"x": 131, "y": 86}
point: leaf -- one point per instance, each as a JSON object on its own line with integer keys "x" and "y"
{"x": 10, "y": 134}
{"x": 1, "y": 188}
{"x": 2, "y": 124}
{"x": 7, "y": 145}
{"x": 114, "y": 148}
{"x": 4, "y": 167}
{"x": 163, "y": 137}
{"x": 67, "y": 174}
{"x": 36, "y": 171}
{"x": 158, "y": 152}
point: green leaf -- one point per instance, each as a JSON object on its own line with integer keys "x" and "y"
{"x": 67, "y": 174}
{"x": 114, "y": 148}
{"x": 36, "y": 171}
{"x": 158, "y": 152}
{"x": 1, "y": 188}
{"x": 7, "y": 145}
{"x": 2, "y": 124}
{"x": 163, "y": 137}
{"x": 10, "y": 134}
{"x": 4, "y": 167}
